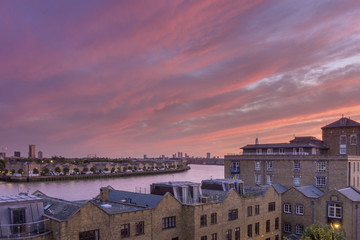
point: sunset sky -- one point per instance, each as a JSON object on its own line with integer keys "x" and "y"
{"x": 128, "y": 78}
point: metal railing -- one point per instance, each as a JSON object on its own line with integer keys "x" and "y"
{"x": 24, "y": 230}
{"x": 266, "y": 154}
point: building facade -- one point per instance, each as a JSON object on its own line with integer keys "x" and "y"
{"x": 327, "y": 164}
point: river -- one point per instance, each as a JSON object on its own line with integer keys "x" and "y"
{"x": 87, "y": 189}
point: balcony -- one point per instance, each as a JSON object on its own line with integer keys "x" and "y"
{"x": 269, "y": 154}
{"x": 235, "y": 170}
{"x": 25, "y": 230}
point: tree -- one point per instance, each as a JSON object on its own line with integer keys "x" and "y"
{"x": 93, "y": 169}
{"x": 85, "y": 169}
{"x": 112, "y": 170}
{"x": 319, "y": 231}
{"x": 57, "y": 170}
{"x": 46, "y": 171}
{"x": 35, "y": 171}
{"x": 2, "y": 165}
{"x": 20, "y": 171}
{"x": 106, "y": 169}
{"x": 66, "y": 170}
{"x": 76, "y": 170}
{"x": 12, "y": 171}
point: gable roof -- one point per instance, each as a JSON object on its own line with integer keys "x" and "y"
{"x": 342, "y": 122}
{"x": 310, "y": 191}
{"x": 351, "y": 193}
{"x": 60, "y": 209}
{"x": 136, "y": 199}
{"x": 279, "y": 188}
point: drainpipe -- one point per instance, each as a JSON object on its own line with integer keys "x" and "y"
{"x": 327, "y": 177}
{"x": 356, "y": 222}
{"x": 312, "y": 212}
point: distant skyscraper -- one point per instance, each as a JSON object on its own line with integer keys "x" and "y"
{"x": 145, "y": 157}
{"x": 40, "y": 154}
{"x": 17, "y": 154}
{"x": 208, "y": 155}
{"x": 32, "y": 152}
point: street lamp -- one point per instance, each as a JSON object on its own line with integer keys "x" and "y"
{"x": 334, "y": 226}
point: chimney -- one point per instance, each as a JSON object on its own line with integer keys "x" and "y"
{"x": 256, "y": 141}
{"x": 104, "y": 194}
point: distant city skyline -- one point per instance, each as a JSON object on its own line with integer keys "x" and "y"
{"x": 119, "y": 78}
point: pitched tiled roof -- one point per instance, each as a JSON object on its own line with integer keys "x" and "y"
{"x": 279, "y": 188}
{"x": 310, "y": 191}
{"x": 351, "y": 193}
{"x": 136, "y": 199}
{"x": 342, "y": 122}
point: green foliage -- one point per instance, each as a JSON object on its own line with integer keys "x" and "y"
{"x": 106, "y": 169}
{"x": 129, "y": 167}
{"x": 93, "y": 169}
{"x": 112, "y": 170}
{"x": 76, "y": 170}
{"x": 319, "y": 231}
{"x": 2, "y": 165}
{"x": 35, "y": 171}
{"x": 85, "y": 169}
{"x": 20, "y": 171}
{"x": 66, "y": 170}
{"x": 45, "y": 171}
{"x": 57, "y": 170}
{"x": 12, "y": 171}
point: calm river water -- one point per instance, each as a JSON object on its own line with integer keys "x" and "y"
{"x": 86, "y": 189}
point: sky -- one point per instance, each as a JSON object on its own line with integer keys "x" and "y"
{"x": 128, "y": 78}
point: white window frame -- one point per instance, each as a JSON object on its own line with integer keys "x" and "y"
{"x": 334, "y": 210}
{"x": 287, "y": 227}
{"x": 299, "y": 209}
{"x": 258, "y": 151}
{"x": 353, "y": 139}
{"x": 281, "y": 150}
{"x": 299, "y": 229}
{"x": 257, "y": 165}
{"x": 296, "y": 165}
{"x": 343, "y": 139}
{"x": 269, "y": 179}
{"x": 297, "y": 181}
{"x": 269, "y": 151}
{"x": 320, "y": 181}
{"x": 269, "y": 165}
{"x": 342, "y": 149}
{"x": 287, "y": 208}
{"x": 258, "y": 179}
{"x": 320, "y": 166}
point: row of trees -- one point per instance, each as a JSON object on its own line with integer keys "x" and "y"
{"x": 66, "y": 170}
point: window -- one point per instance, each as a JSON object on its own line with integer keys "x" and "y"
{"x": 214, "y": 218}
{"x": 257, "y": 179}
{"x": 249, "y": 210}
{"x": 233, "y": 214}
{"x": 296, "y": 181}
{"x": 257, "y": 228}
{"x": 287, "y": 228}
{"x": 169, "y": 222}
{"x": 269, "y": 151}
{"x": 267, "y": 225}
{"x": 258, "y": 151}
{"x": 334, "y": 210}
{"x": 237, "y": 233}
{"x": 299, "y": 209}
{"x": 342, "y": 149}
{"x": 268, "y": 239}
{"x": 175, "y": 238}
{"x": 281, "y": 151}
{"x": 140, "y": 228}
{"x": 203, "y": 220}
{"x": 296, "y": 165}
{"x": 269, "y": 179}
{"x": 320, "y": 181}
{"x": 203, "y": 238}
{"x": 269, "y": 165}
{"x": 271, "y": 206}
{"x": 343, "y": 140}
{"x": 257, "y": 209}
{"x": 299, "y": 229}
{"x": 214, "y": 236}
{"x": 125, "y": 230}
{"x": 276, "y": 237}
{"x": 353, "y": 140}
{"x": 287, "y": 208}
{"x": 321, "y": 166}
{"x": 18, "y": 217}
{"x": 249, "y": 230}
{"x": 228, "y": 234}
{"x": 276, "y": 223}
{"x": 89, "y": 235}
{"x": 257, "y": 165}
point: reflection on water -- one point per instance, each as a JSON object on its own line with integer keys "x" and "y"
{"x": 86, "y": 189}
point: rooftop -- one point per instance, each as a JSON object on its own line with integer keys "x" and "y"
{"x": 136, "y": 199}
{"x": 351, "y": 193}
{"x": 17, "y": 198}
{"x": 342, "y": 122}
{"x": 310, "y": 191}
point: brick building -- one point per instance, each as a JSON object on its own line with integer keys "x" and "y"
{"x": 328, "y": 164}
